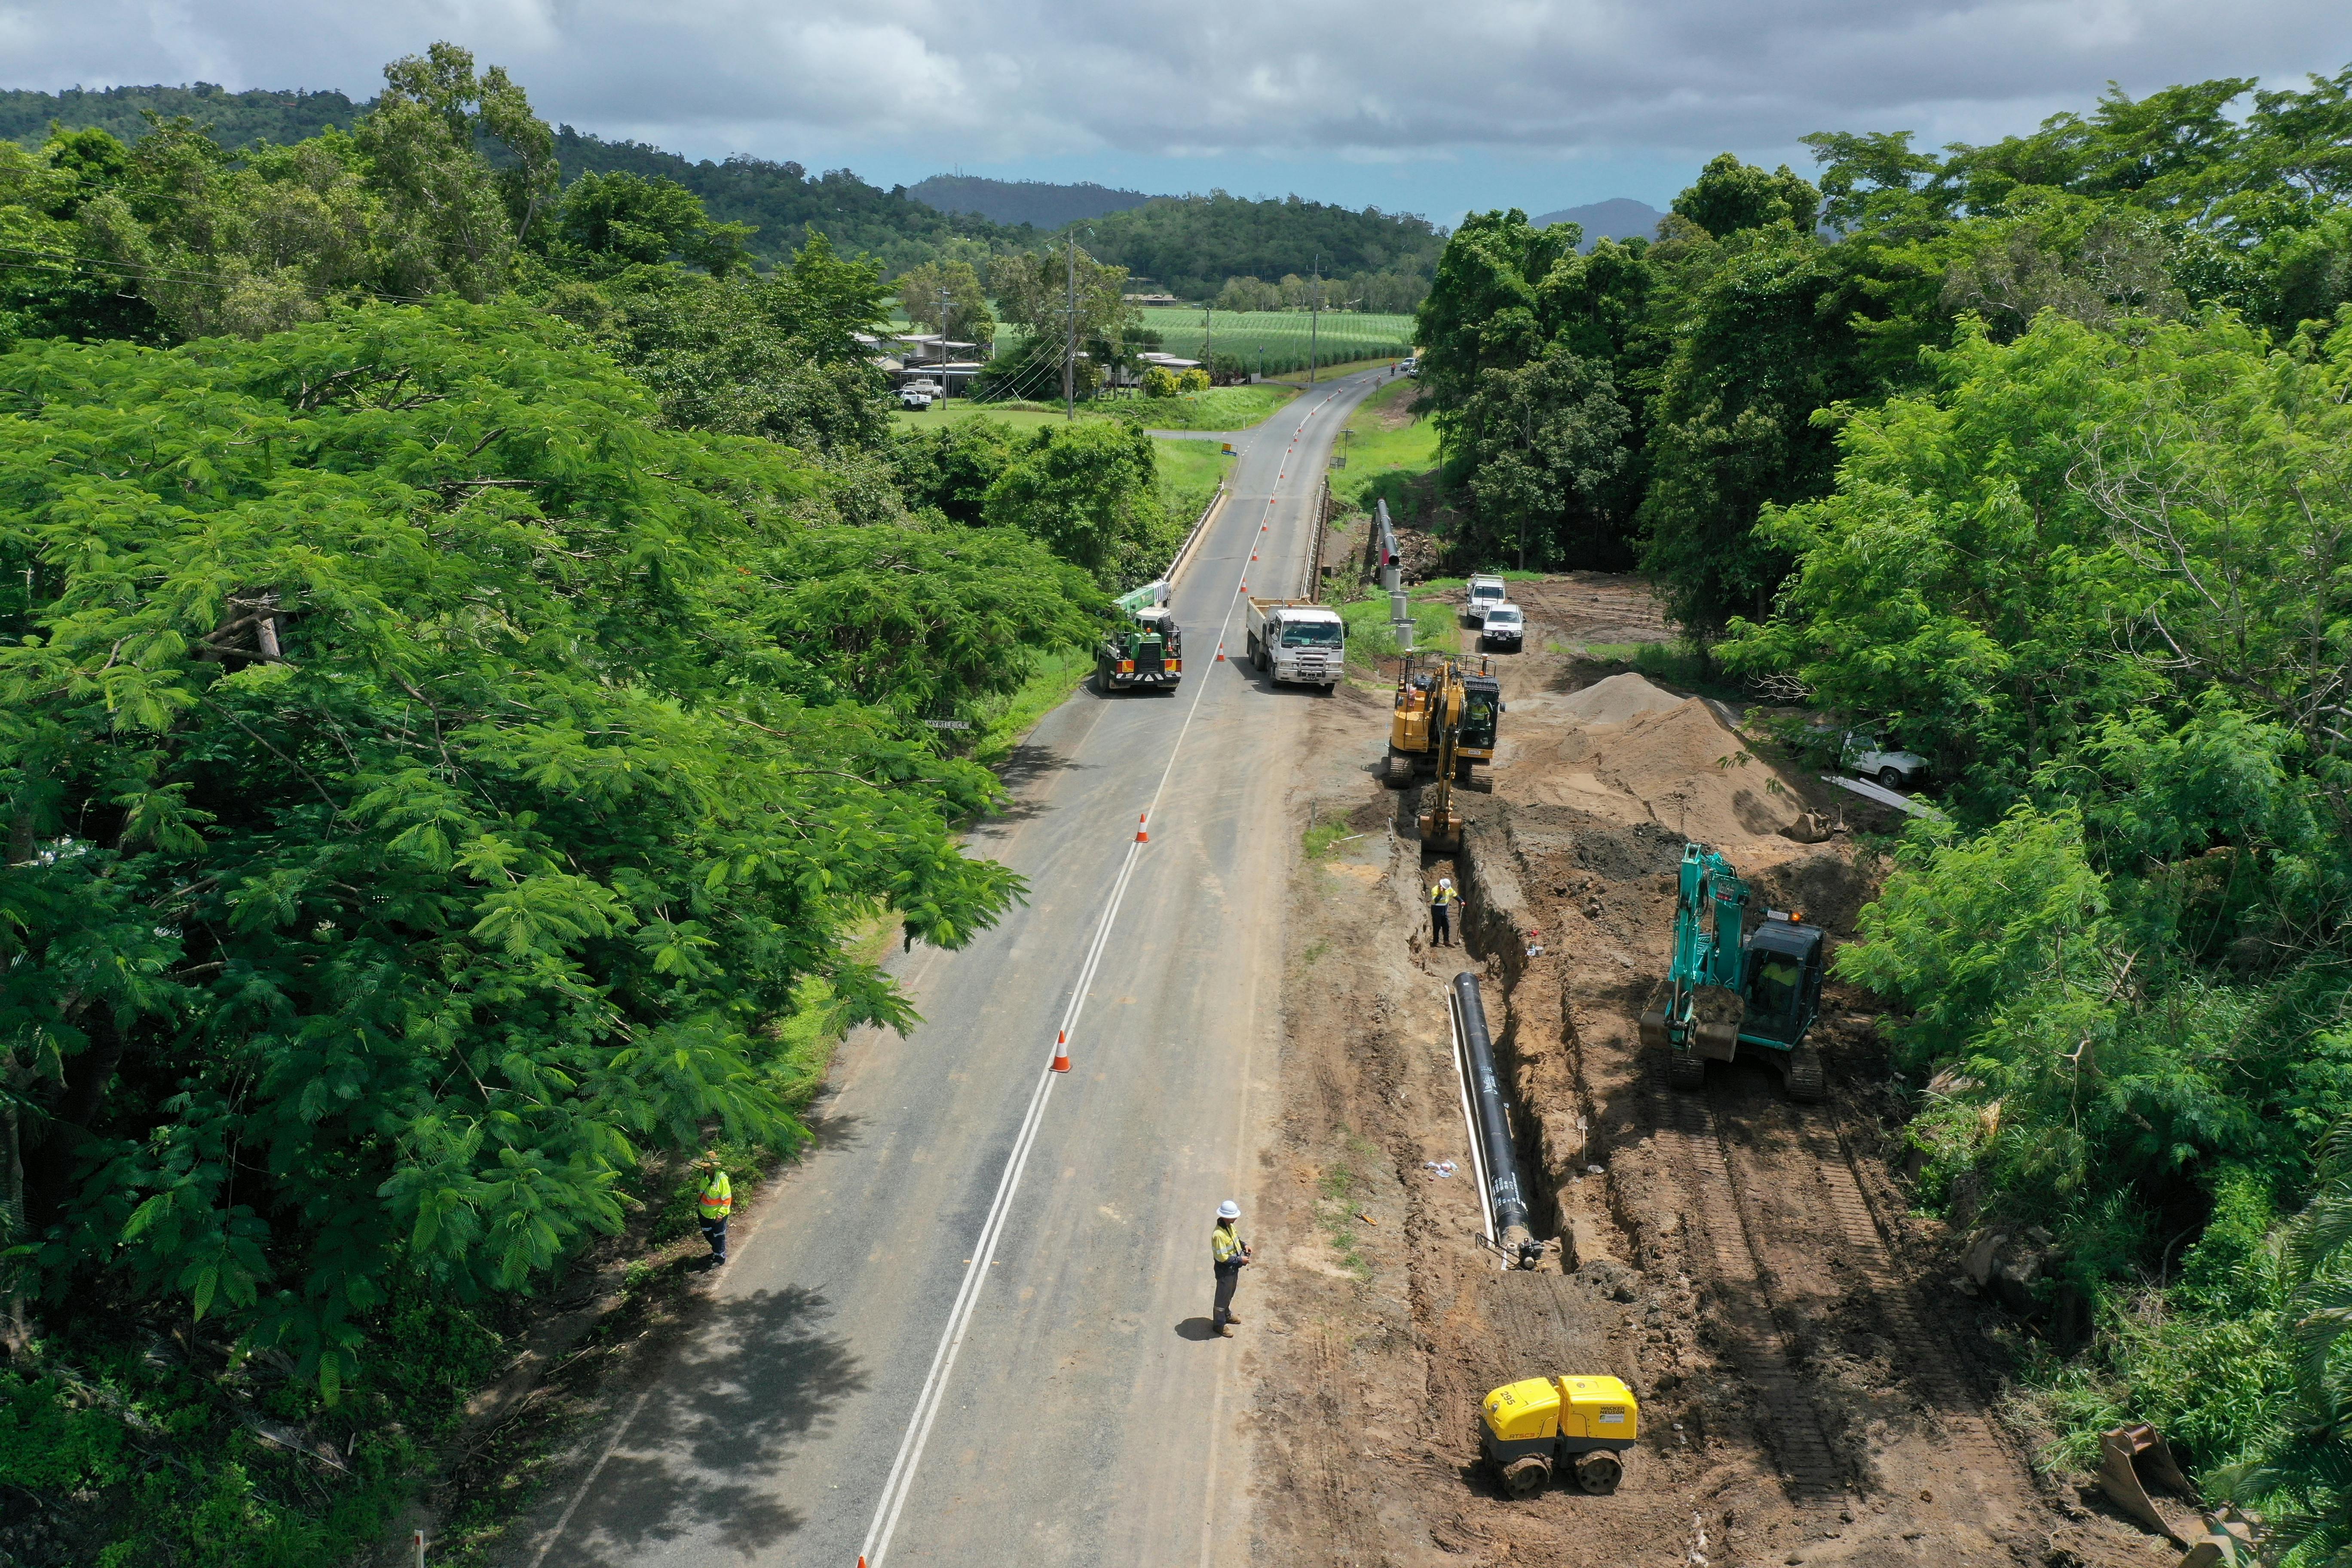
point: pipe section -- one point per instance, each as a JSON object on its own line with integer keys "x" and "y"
{"x": 1506, "y": 1200}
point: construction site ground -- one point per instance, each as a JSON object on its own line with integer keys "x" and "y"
{"x": 1814, "y": 1388}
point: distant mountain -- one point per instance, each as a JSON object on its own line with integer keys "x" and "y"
{"x": 1016, "y": 202}
{"x": 1621, "y": 217}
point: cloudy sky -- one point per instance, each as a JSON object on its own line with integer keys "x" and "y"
{"x": 1435, "y": 106}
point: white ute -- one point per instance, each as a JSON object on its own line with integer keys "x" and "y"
{"x": 1504, "y": 626}
{"x": 1299, "y": 640}
{"x": 1890, "y": 765}
{"x": 1483, "y": 593}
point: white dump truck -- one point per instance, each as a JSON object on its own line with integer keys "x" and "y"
{"x": 1299, "y": 640}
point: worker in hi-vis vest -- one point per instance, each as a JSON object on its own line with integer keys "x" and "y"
{"x": 716, "y": 1203}
{"x": 1228, "y": 1254}
{"x": 1441, "y": 900}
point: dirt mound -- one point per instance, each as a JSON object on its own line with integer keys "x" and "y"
{"x": 1620, "y": 700}
{"x": 1626, "y": 751}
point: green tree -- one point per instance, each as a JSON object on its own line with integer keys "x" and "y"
{"x": 607, "y": 222}
{"x": 967, "y": 318}
{"x": 1543, "y": 444}
{"x": 427, "y": 775}
{"x": 1090, "y": 491}
{"x": 1730, "y": 196}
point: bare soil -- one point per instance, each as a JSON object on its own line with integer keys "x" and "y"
{"x": 1813, "y": 1388}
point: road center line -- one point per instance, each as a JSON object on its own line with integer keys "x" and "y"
{"x": 901, "y": 1480}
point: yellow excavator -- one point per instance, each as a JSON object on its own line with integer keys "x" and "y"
{"x": 1443, "y": 724}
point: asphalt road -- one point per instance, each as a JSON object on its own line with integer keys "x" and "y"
{"x": 1087, "y": 1415}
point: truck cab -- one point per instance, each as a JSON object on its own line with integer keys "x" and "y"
{"x": 1148, "y": 651}
{"x": 1483, "y": 593}
{"x": 1298, "y": 640}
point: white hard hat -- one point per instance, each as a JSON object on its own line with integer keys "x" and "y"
{"x": 1229, "y": 1210}
{"x": 1445, "y": 881}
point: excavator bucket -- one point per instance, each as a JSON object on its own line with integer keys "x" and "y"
{"x": 1653, "y": 1030}
{"x": 1717, "y": 1012}
{"x": 1440, "y": 828}
{"x": 2130, "y": 1458}
{"x": 2226, "y": 1539}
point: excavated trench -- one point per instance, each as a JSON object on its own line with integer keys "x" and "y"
{"x": 1812, "y": 1389}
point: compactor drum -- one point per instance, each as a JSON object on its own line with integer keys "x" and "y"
{"x": 1575, "y": 1426}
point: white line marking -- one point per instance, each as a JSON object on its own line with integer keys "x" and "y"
{"x": 901, "y": 1481}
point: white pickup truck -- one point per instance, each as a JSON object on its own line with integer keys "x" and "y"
{"x": 1482, "y": 593}
{"x": 1299, "y": 640}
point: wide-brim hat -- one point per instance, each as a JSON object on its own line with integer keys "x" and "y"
{"x": 1229, "y": 1210}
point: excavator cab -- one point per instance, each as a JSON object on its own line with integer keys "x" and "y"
{"x": 1783, "y": 963}
{"x": 1729, "y": 990}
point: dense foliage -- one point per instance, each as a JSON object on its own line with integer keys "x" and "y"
{"x": 1192, "y": 246}
{"x": 2095, "y": 560}
{"x": 1765, "y": 300}
{"x": 465, "y": 646}
{"x": 1037, "y": 204}
{"x": 235, "y": 120}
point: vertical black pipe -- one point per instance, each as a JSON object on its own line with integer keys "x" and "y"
{"x": 1506, "y": 1197}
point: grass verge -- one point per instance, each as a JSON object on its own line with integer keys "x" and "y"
{"x": 1220, "y": 408}
{"x": 1370, "y": 639}
{"x": 1054, "y": 677}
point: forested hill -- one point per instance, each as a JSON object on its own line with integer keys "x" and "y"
{"x": 1036, "y": 202}
{"x": 1191, "y": 244}
{"x": 781, "y": 200}
{"x": 785, "y": 202}
{"x": 237, "y": 118}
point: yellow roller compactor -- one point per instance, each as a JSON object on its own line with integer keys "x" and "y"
{"x": 1573, "y": 1425}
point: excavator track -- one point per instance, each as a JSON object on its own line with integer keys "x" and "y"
{"x": 1739, "y": 1284}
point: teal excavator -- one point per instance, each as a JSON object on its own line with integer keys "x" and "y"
{"x": 1731, "y": 988}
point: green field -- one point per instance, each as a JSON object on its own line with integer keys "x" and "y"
{"x": 1222, "y": 408}
{"x": 1272, "y": 341}
{"x": 1189, "y": 472}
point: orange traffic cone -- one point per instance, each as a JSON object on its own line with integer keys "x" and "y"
{"x": 1061, "y": 1064}
{"x": 1140, "y": 836}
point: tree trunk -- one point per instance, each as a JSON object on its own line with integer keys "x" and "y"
{"x": 16, "y": 1328}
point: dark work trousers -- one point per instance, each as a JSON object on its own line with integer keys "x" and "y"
{"x": 714, "y": 1231}
{"x": 1441, "y": 925}
{"x": 1229, "y": 1277}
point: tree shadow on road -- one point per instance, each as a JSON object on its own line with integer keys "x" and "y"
{"x": 749, "y": 1380}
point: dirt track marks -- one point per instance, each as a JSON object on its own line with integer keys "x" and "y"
{"x": 1740, "y": 1286}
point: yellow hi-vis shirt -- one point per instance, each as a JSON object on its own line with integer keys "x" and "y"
{"x": 718, "y": 1196}
{"x": 1442, "y": 895}
{"x": 1223, "y": 1246}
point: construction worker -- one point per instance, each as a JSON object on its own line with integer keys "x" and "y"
{"x": 716, "y": 1203}
{"x": 1441, "y": 900}
{"x": 1229, "y": 1255}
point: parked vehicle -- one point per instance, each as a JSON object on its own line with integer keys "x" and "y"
{"x": 1866, "y": 755}
{"x": 1483, "y": 594}
{"x": 1504, "y": 626}
{"x": 918, "y": 394}
{"x": 1410, "y": 365}
{"x": 1145, "y": 647}
{"x": 1298, "y": 640}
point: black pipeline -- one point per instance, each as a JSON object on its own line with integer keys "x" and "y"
{"x": 1506, "y": 1201}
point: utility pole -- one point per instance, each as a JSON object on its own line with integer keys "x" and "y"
{"x": 944, "y": 342}
{"x": 1209, "y": 342}
{"x": 1070, "y": 355}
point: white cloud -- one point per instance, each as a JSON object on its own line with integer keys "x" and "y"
{"x": 1367, "y": 81}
